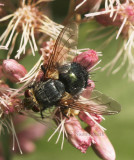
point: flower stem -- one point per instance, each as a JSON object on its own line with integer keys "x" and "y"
{"x": 70, "y": 12}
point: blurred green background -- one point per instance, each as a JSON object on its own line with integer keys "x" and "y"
{"x": 120, "y": 128}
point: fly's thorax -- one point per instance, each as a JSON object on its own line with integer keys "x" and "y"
{"x": 74, "y": 77}
{"x": 52, "y": 74}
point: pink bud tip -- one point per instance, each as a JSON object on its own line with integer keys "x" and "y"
{"x": 85, "y": 118}
{"x": 13, "y": 70}
{"x": 77, "y": 136}
{"x": 106, "y": 20}
{"x": 47, "y": 48}
{"x": 129, "y": 12}
{"x": 102, "y": 145}
{"x": 9, "y": 110}
{"x": 87, "y": 59}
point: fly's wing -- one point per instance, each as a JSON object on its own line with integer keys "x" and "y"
{"x": 98, "y": 104}
{"x": 107, "y": 104}
{"x": 48, "y": 114}
{"x": 64, "y": 46}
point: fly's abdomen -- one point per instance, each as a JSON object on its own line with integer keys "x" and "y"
{"x": 49, "y": 92}
{"x": 74, "y": 77}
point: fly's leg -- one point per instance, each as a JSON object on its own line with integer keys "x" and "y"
{"x": 41, "y": 113}
{"x": 63, "y": 111}
{"x": 43, "y": 69}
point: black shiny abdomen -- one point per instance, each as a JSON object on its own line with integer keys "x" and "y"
{"x": 49, "y": 92}
{"x": 74, "y": 77}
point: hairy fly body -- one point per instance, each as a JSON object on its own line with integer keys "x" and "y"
{"x": 63, "y": 81}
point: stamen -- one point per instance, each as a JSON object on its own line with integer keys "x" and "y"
{"x": 29, "y": 20}
{"x": 13, "y": 30}
{"x": 14, "y": 135}
{"x": 92, "y": 68}
{"x": 79, "y": 5}
{"x": 102, "y": 128}
{"x": 99, "y": 13}
{"x": 121, "y": 28}
{"x": 6, "y": 17}
{"x": 33, "y": 72}
{"x": 56, "y": 130}
{"x": 40, "y": 1}
{"x": 33, "y": 39}
{"x": 12, "y": 46}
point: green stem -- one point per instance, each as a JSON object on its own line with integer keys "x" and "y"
{"x": 70, "y": 12}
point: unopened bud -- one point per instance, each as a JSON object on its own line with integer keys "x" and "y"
{"x": 2, "y": 11}
{"x": 46, "y": 50}
{"x": 87, "y": 59}
{"x": 77, "y": 136}
{"x": 8, "y": 104}
{"x": 3, "y": 88}
{"x": 83, "y": 6}
{"x": 13, "y": 70}
{"x": 3, "y": 85}
{"x": 85, "y": 118}
{"x": 11, "y": 106}
{"x": 106, "y": 20}
{"x": 102, "y": 145}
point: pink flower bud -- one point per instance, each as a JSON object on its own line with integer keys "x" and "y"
{"x": 8, "y": 104}
{"x": 87, "y": 59}
{"x": 127, "y": 11}
{"x": 102, "y": 145}
{"x": 28, "y": 135}
{"x": 46, "y": 50}
{"x": 3, "y": 85}
{"x": 130, "y": 10}
{"x": 85, "y": 118}
{"x": 2, "y": 11}
{"x": 13, "y": 70}
{"x": 87, "y": 6}
{"x": 88, "y": 90}
{"x": 11, "y": 106}
{"x": 106, "y": 20}
{"x": 77, "y": 136}
{"x": 48, "y": 45}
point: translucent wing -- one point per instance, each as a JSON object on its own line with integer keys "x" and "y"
{"x": 65, "y": 45}
{"x": 107, "y": 104}
{"x": 48, "y": 114}
{"x": 98, "y": 104}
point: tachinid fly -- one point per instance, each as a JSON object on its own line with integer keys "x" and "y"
{"x": 64, "y": 80}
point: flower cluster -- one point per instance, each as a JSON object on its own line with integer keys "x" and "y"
{"x": 70, "y": 127}
{"x": 28, "y": 21}
{"x": 119, "y": 15}
{"x": 24, "y": 93}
